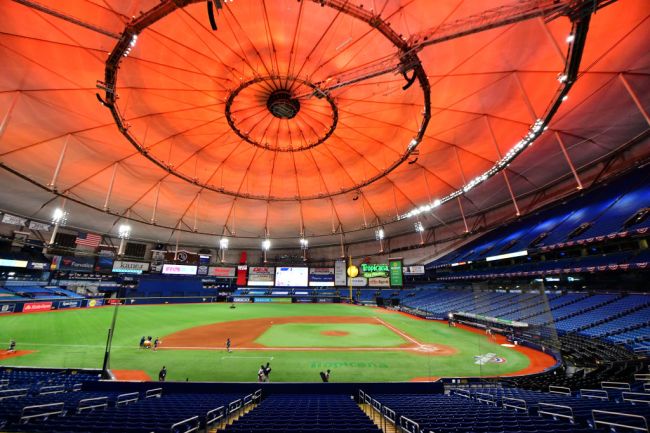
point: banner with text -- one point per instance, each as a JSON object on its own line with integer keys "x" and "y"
{"x": 395, "y": 272}
{"x": 261, "y": 276}
{"x": 340, "y": 277}
{"x": 321, "y": 276}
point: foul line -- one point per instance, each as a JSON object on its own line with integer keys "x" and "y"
{"x": 248, "y": 357}
{"x": 397, "y": 331}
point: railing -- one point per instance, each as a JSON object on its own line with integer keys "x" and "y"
{"x": 40, "y": 411}
{"x": 125, "y": 399}
{"x": 515, "y": 403}
{"x": 646, "y": 386}
{"x": 615, "y": 385}
{"x": 552, "y": 413}
{"x": 486, "y": 398}
{"x": 52, "y": 389}
{"x": 92, "y": 404}
{"x": 153, "y": 393}
{"x": 190, "y": 424}
{"x": 362, "y": 397}
{"x": 599, "y": 394}
{"x": 257, "y": 396}
{"x": 462, "y": 393}
{"x": 561, "y": 390}
{"x": 608, "y": 422}
{"x": 389, "y": 417}
{"x": 214, "y": 416}
{"x": 4, "y": 383}
{"x": 642, "y": 377}
{"x": 636, "y": 397}
{"x": 76, "y": 387}
{"x": 13, "y": 393}
{"x": 407, "y": 425}
{"x": 248, "y": 399}
{"x": 233, "y": 407}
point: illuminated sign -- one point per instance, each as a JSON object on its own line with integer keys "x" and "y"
{"x": 13, "y": 263}
{"x": 507, "y": 256}
{"x": 179, "y": 269}
{"x": 370, "y": 270}
{"x": 123, "y": 267}
{"x": 395, "y": 272}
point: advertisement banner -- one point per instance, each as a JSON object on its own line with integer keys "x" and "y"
{"x": 202, "y": 270}
{"x": 395, "y": 272}
{"x": 37, "y": 306}
{"x": 7, "y": 263}
{"x": 340, "y": 276}
{"x": 35, "y": 225}
{"x": 95, "y": 303}
{"x": 179, "y": 269}
{"x": 240, "y": 299}
{"x": 379, "y": 282}
{"x": 285, "y": 300}
{"x": 13, "y": 219}
{"x": 321, "y": 277}
{"x": 357, "y": 282}
{"x": 7, "y": 308}
{"x": 69, "y": 304}
{"x": 414, "y": 270}
{"x": 38, "y": 265}
{"x": 263, "y": 300}
{"x": 104, "y": 264}
{"x": 79, "y": 264}
{"x": 223, "y": 272}
{"x": 370, "y": 270}
{"x": 124, "y": 267}
{"x": 241, "y": 275}
{"x": 261, "y": 276}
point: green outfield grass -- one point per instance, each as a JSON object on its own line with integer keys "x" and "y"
{"x": 76, "y": 338}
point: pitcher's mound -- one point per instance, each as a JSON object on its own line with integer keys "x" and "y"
{"x": 335, "y": 333}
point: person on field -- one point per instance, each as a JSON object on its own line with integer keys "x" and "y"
{"x": 142, "y": 342}
{"x": 325, "y": 376}
{"x": 267, "y": 372}
{"x": 260, "y": 374}
{"x": 156, "y": 343}
{"x": 162, "y": 374}
{"x": 228, "y": 343}
{"x": 12, "y": 346}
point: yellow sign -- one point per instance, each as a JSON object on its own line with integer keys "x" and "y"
{"x": 353, "y": 271}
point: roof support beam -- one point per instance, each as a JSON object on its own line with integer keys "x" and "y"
{"x": 57, "y": 169}
{"x": 634, "y": 97}
{"x": 155, "y": 203}
{"x": 110, "y": 188}
{"x": 7, "y": 116}
{"x": 462, "y": 213}
{"x": 568, "y": 159}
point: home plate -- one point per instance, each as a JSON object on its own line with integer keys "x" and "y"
{"x": 508, "y": 345}
{"x": 426, "y": 348}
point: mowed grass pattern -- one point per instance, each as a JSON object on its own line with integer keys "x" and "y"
{"x": 76, "y": 338}
{"x": 315, "y": 335}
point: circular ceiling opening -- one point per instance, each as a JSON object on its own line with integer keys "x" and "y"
{"x": 282, "y": 104}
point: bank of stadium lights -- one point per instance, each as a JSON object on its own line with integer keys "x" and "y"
{"x": 59, "y": 216}
{"x": 223, "y": 243}
{"x": 304, "y": 243}
{"x": 124, "y": 231}
{"x": 266, "y": 244}
{"x": 134, "y": 40}
{"x": 570, "y": 38}
{"x": 379, "y": 234}
{"x": 419, "y": 228}
{"x": 534, "y": 132}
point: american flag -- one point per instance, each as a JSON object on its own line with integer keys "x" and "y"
{"x": 88, "y": 239}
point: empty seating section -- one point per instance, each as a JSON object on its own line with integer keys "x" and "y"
{"x": 603, "y": 211}
{"x": 455, "y": 414}
{"x": 305, "y": 413}
{"x": 23, "y": 292}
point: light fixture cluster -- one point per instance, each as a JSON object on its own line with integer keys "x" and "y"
{"x": 124, "y": 231}
{"x": 59, "y": 216}
{"x": 379, "y": 234}
{"x": 134, "y": 40}
{"x": 266, "y": 244}
{"x": 304, "y": 243}
{"x": 223, "y": 243}
{"x": 419, "y": 228}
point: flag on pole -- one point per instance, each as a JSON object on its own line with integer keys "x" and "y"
{"x": 88, "y": 239}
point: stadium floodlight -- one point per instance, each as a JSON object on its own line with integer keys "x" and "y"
{"x": 59, "y": 216}
{"x": 304, "y": 243}
{"x": 379, "y": 234}
{"x": 266, "y": 244}
{"x": 124, "y": 231}
{"x": 419, "y": 227}
{"x": 223, "y": 243}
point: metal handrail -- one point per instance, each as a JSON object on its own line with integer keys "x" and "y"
{"x": 627, "y": 394}
{"x": 462, "y": 393}
{"x": 153, "y": 393}
{"x": 600, "y": 394}
{"x": 404, "y": 424}
{"x": 13, "y": 393}
{"x": 25, "y": 418}
{"x": 215, "y": 415}
{"x": 82, "y": 406}
{"x": 561, "y": 415}
{"x": 52, "y": 389}
{"x": 257, "y": 395}
{"x": 194, "y": 427}
{"x": 514, "y": 406}
{"x": 486, "y": 398}
{"x": 562, "y": 390}
{"x": 615, "y": 385}
{"x": 642, "y": 377}
{"x": 614, "y": 424}
{"x": 76, "y": 387}
{"x": 125, "y": 399}
{"x": 248, "y": 399}
{"x": 234, "y": 406}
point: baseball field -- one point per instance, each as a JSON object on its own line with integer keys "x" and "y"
{"x": 357, "y": 344}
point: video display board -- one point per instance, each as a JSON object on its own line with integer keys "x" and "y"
{"x": 321, "y": 277}
{"x": 179, "y": 269}
{"x": 291, "y": 277}
{"x": 261, "y": 276}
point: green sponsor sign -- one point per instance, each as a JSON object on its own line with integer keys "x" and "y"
{"x": 395, "y": 272}
{"x": 370, "y": 270}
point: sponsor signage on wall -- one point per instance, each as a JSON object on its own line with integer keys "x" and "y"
{"x": 358, "y": 282}
{"x": 179, "y": 269}
{"x": 223, "y": 272}
{"x": 241, "y": 275}
{"x": 340, "y": 277}
{"x": 95, "y": 303}
{"x": 7, "y": 308}
{"x": 395, "y": 272}
{"x": 379, "y": 282}
{"x": 7, "y": 263}
{"x": 124, "y": 267}
{"x": 414, "y": 270}
{"x": 69, "y": 304}
{"x": 370, "y": 270}
{"x": 80, "y": 264}
{"x": 38, "y": 265}
{"x": 261, "y": 276}
{"x": 37, "y": 306}
{"x": 14, "y": 220}
{"x": 321, "y": 276}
